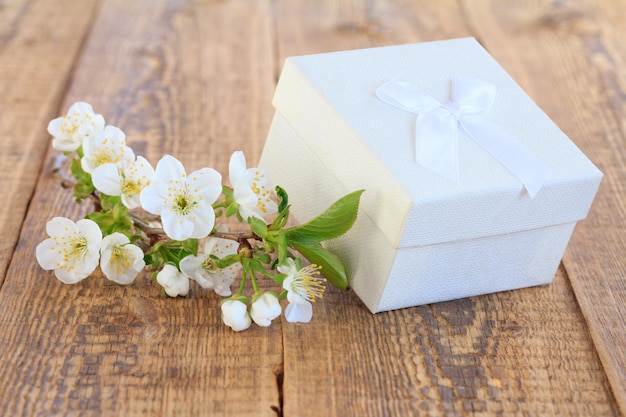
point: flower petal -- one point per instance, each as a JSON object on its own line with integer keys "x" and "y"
{"x": 299, "y": 313}
{"x": 106, "y": 178}
{"x": 153, "y": 199}
{"x": 177, "y": 227}
{"x": 91, "y": 231}
{"x": 69, "y": 276}
{"x": 168, "y": 168}
{"x": 203, "y": 222}
{"x": 237, "y": 168}
{"x": 206, "y": 182}
{"x": 192, "y": 267}
{"x": 48, "y": 255}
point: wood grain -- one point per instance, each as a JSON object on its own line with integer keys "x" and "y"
{"x": 194, "y": 80}
{"x": 517, "y": 353}
{"x": 578, "y": 49}
{"x": 36, "y": 59}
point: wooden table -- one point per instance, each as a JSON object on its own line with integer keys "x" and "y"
{"x": 195, "y": 79}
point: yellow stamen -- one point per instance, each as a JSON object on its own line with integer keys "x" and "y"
{"x": 308, "y": 284}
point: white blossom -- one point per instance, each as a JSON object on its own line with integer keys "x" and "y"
{"x": 73, "y": 249}
{"x": 69, "y": 131}
{"x": 120, "y": 260}
{"x": 303, "y": 287}
{"x": 202, "y": 268}
{"x": 251, "y": 188}
{"x": 108, "y": 146}
{"x": 125, "y": 178}
{"x": 183, "y": 202}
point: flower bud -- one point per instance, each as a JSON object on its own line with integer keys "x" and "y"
{"x": 265, "y": 309}
{"x": 235, "y": 314}
{"x": 173, "y": 281}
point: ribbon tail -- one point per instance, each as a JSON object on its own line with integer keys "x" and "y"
{"x": 531, "y": 171}
{"x": 404, "y": 95}
{"x": 436, "y": 143}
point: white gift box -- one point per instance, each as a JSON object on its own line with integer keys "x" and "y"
{"x": 500, "y": 219}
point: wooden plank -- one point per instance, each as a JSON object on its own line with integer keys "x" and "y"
{"x": 36, "y": 59}
{"x": 189, "y": 78}
{"x": 516, "y": 353}
{"x": 525, "y": 352}
{"x": 578, "y": 48}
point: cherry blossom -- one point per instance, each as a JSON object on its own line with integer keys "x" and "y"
{"x": 252, "y": 188}
{"x": 69, "y": 131}
{"x": 125, "y": 178}
{"x": 120, "y": 261}
{"x": 183, "y": 202}
{"x": 202, "y": 268}
{"x": 73, "y": 249}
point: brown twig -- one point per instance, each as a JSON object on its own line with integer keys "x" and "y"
{"x": 151, "y": 231}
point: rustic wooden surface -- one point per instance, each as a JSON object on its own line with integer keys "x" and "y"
{"x": 195, "y": 79}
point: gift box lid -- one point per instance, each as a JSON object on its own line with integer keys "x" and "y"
{"x": 330, "y": 100}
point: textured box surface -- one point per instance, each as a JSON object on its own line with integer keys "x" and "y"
{"x": 421, "y": 238}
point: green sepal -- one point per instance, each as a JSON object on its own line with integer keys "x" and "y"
{"x": 190, "y": 246}
{"x": 330, "y": 265}
{"x": 258, "y": 295}
{"x": 228, "y": 192}
{"x": 262, "y": 257}
{"x": 227, "y": 260}
{"x": 236, "y": 297}
{"x": 279, "y": 278}
{"x": 258, "y": 227}
{"x": 282, "y": 248}
{"x": 332, "y": 223}
{"x": 283, "y": 295}
{"x": 232, "y": 209}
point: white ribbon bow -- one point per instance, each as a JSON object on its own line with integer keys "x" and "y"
{"x": 437, "y": 124}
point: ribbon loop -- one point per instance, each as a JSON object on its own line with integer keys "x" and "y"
{"x": 436, "y": 133}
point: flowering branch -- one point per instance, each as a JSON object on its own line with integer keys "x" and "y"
{"x": 166, "y": 220}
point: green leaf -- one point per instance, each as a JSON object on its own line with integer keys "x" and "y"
{"x": 105, "y": 221}
{"x": 84, "y": 187}
{"x": 78, "y": 172}
{"x": 113, "y": 203}
{"x": 283, "y": 210}
{"x": 82, "y": 191}
{"x": 332, "y": 223}
{"x": 331, "y": 267}
{"x": 282, "y": 198}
